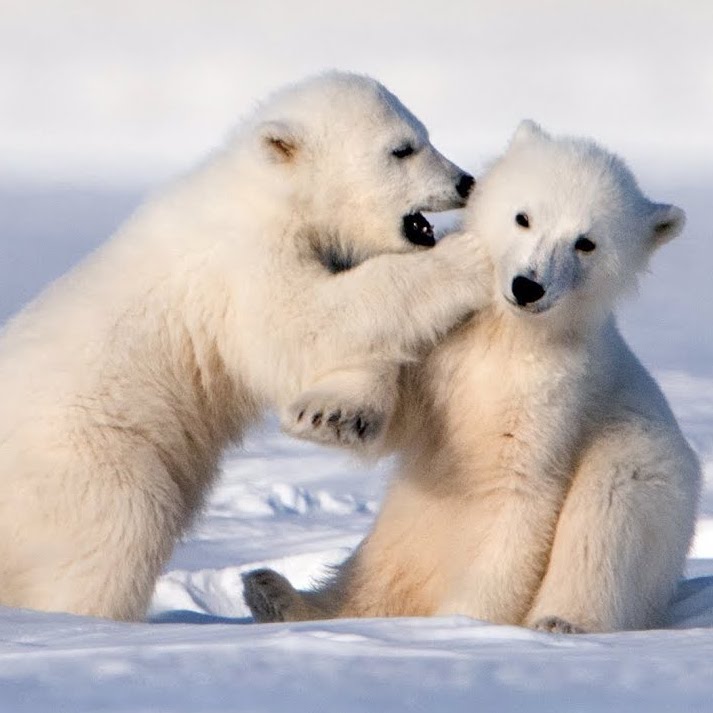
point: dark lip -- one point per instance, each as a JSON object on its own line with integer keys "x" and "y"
{"x": 528, "y": 309}
{"x": 417, "y": 230}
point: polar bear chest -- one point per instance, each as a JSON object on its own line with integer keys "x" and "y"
{"x": 513, "y": 409}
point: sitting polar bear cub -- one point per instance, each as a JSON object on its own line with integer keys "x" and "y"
{"x": 236, "y": 290}
{"x": 543, "y": 478}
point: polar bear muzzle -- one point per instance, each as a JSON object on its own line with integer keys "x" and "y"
{"x": 418, "y": 230}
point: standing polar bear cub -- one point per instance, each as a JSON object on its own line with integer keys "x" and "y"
{"x": 273, "y": 266}
{"x": 543, "y": 479}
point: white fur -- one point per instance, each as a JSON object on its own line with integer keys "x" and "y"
{"x": 122, "y": 384}
{"x": 543, "y": 479}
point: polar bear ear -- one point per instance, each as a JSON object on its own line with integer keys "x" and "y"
{"x": 528, "y": 131}
{"x": 280, "y": 140}
{"x": 666, "y": 222}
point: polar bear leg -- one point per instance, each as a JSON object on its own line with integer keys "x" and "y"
{"x": 98, "y": 541}
{"x": 377, "y": 316}
{"x": 622, "y": 536}
{"x": 391, "y": 306}
{"x": 271, "y": 598}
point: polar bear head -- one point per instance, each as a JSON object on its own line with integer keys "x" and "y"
{"x": 354, "y": 161}
{"x": 566, "y": 225}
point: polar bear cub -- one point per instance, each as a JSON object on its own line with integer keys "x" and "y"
{"x": 295, "y": 251}
{"x": 543, "y": 478}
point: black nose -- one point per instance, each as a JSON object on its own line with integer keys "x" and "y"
{"x": 465, "y": 185}
{"x": 526, "y": 291}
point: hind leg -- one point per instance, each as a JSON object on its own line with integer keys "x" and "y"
{"x": 622, "y": 536}
{"x": 397, "y": 570}
{"x": 271, "y": 598}
{"x": 92, "y": 543}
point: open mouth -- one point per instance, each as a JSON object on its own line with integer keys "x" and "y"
{"x": 418, "y": 230}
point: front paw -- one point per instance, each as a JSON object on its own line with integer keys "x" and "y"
{"x": 556, "y": 625}
{"x": 316, "y": 417}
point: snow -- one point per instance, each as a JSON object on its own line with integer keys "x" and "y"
{"x": 98, "y": 101}
{"x": 398, "y": 664}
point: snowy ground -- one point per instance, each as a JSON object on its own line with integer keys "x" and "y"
{"x": 100, "y": 100}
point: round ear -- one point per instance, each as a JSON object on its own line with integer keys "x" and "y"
{"x": 281, "y": 141}
{"x": 528, "y": 131}
{"x": 666, "y": 222}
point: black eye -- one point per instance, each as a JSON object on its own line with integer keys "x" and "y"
{"x": 522, "y": 220}
{"x": 584, "y": 244}
{"x": 403, "y": 151}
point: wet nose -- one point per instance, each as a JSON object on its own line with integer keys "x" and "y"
{"x": 465, "y": 185}
{"x": 526, "y": 291}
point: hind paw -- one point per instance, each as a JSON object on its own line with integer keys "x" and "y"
{"x": 268, "y": 594}
{"x": 555, "y": 625}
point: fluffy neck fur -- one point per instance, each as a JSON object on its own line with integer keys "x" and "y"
{"x": 515, "y": 377}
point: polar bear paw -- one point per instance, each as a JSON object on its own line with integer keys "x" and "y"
{"x": 556, "y": 625}
{"x": 269, "y": 595}
{"x": 319, "y": 418}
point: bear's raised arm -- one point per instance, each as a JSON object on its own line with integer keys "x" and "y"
{"x": 382, "y": 314}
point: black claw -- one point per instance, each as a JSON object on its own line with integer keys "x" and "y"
{"x": 317, "y": 419}
{"x": 334, "y": 417}
{"x": 300, "y": 415}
